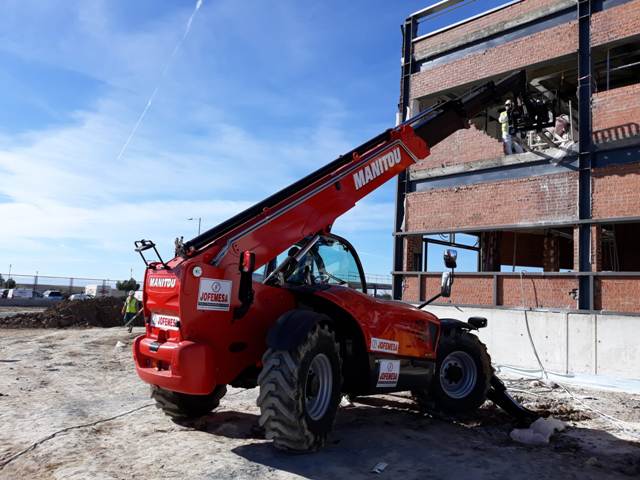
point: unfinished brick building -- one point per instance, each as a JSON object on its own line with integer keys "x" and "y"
{"x": 556, "y": 227}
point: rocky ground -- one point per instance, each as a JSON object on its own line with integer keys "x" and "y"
{"x": 52, "y": 380}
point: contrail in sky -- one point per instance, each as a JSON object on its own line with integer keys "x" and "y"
{"x": 162, "y": 75}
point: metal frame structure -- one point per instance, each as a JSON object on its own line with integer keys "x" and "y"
{"x": 589, "y": 277}
{"x": 587, "y": 157}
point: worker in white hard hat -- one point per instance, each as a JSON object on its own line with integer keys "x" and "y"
{"x": 506, "y": 121}
{"x": 130, "y": 307}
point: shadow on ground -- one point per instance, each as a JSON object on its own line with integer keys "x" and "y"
{"x": 415, "y": 445}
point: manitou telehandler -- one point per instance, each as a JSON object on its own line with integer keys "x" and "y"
{"x": 272, "y": 298}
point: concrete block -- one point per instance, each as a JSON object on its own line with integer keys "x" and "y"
{"x": 582, "y": 336}
{"x": 618, "y": 354}
{"x": 567, "y": 342}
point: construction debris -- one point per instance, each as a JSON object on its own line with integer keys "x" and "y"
{"x": 95, "y": 312}
{"x": 539, "y": 432}
{"x": 379, "y": 467}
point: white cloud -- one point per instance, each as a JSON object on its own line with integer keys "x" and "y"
{"x": 367, "y": 216}
{"x": 67, "y": 204}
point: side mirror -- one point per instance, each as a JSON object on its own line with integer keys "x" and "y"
{"x": 450, "y": 257}
{"x": 445, "y": 284}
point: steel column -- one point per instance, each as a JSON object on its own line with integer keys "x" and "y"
{"x": 585, "y": 301}
{"x": 408, "y": 33}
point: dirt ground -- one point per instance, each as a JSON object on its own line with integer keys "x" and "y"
{"x": 55, "y": 379}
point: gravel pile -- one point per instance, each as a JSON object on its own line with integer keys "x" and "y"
{"x": 95, "y": 312}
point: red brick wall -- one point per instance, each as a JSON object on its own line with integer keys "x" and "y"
{"x": 618, "y": 294}
{"x": 466, "y": 145}
{"x": 501, "y": 16}
{"x": 611, "y": 24}
{"x": 412, "y": 245}
{"x": 616, "y": 191}
{"x": 526, "y": 200}
{"x": 411, "y": 289}
{"x": 469, "y": 290}
{"x": 616, "y": 114}
{"x": 539, "y": 292}
{"x": 611, "y": 294}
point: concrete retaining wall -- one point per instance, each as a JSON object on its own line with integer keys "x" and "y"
{"x": 567, "y": 342}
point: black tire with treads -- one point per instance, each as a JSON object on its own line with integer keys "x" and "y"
{"x": 435, "y": 397}
{"x": 183, "y": 406}
{"x": 283, "y": 383}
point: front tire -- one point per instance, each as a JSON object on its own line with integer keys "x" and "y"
{"x": 300, "y": 392}
{"x": 182, "y": 406}
{"x": 462, "y": 377}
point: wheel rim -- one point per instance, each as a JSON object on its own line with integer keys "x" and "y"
{"x": 318, "y": 387}
{"x": 458, "y": 375}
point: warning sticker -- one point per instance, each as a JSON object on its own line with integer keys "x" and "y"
{"x": 382, "y": 345}
{"x": 214, "y": 294}
{"x": 389, "y": 373}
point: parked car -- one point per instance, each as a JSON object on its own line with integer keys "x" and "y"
{"x": 4, "y": 292}
{"x": 80, "y": 296}
{"x": 52, "y": 295}
{"x": 20, "y": 293}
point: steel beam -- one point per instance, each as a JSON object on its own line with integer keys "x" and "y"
{"x": 585, "y": 299}
{"x": 409, "y": 31}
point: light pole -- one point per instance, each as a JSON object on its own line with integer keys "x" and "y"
{"x": 199, "y": 222}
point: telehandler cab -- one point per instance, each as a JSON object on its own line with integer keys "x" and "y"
{"x": 272, "y": 298}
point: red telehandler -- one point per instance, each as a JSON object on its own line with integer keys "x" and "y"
{"x": 272, "y": 298}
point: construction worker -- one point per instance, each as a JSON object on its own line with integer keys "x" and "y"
{"x": 506, "y": 121}
{"x": 130, "y": 307}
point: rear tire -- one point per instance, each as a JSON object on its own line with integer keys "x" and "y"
{"x": 462, "y": 377}
{"x": 300, "y": 392}
{"x": 182, "y": 406}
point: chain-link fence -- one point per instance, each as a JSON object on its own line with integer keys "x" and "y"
{"x": 38, "y": 284}
{"x": 378, "y": 286}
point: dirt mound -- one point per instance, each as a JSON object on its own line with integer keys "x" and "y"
{"x": 95, "y": 312}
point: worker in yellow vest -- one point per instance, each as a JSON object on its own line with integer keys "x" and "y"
{"x": 511, "y": 145}
{"x": 130, "y": 307}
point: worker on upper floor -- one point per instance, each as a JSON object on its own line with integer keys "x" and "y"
{"x": 506, "y": 120}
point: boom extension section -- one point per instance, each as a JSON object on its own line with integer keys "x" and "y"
{"x": 312, "y": 204}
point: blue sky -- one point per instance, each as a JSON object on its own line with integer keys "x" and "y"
{"x": 260, "y": 94}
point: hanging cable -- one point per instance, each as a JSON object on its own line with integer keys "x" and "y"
{"x": 621, "y": 425}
